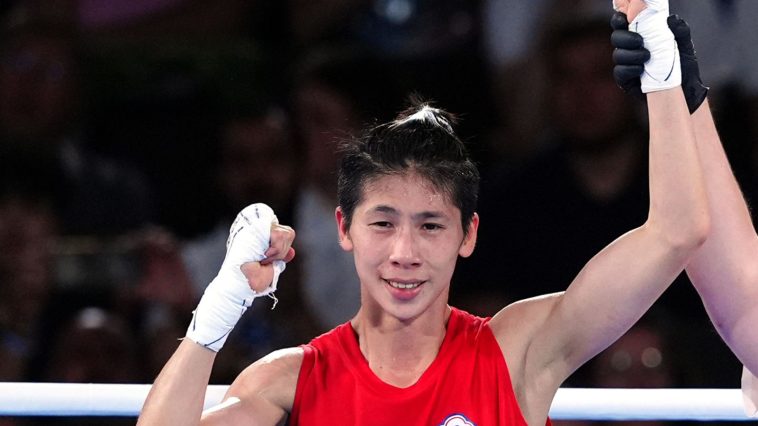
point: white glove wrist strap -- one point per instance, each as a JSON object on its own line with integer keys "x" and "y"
{"x": 663, "y": 70}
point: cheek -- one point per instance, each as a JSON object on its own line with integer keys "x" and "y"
{"x": 441, "y": 255}
{"x": 367, "y": 250}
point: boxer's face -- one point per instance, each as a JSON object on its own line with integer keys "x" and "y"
{"x": 406, "y": 237}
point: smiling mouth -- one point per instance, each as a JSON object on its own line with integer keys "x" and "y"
{"x": 404, "y": 286}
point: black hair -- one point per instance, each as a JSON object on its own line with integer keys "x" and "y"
{"x": 420, "y": 140}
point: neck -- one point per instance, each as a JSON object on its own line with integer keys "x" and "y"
{"x": 399, "y": 351}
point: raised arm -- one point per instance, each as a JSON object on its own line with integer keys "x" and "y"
{"x": 256, "y": 251}
{"x": 178, "y": 394}
{"x": 724, "y": 270}
{"x": 621, "y": 282}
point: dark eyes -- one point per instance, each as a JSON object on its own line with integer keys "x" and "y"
{"x": 425, "y": 226}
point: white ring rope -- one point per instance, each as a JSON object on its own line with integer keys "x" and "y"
{"x": 73, "y": 399}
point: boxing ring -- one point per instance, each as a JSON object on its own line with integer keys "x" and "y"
{"x": 115, "y": 400}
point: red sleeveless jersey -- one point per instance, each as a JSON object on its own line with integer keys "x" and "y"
{"x": 466, "y": 385}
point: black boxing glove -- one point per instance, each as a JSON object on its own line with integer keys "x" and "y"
{"x": 630, "y": 56}
{"x": 695, "y": 91}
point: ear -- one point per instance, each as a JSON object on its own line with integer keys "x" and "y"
{"x": 469, "y": 242}
{"x": 344, "y": 233}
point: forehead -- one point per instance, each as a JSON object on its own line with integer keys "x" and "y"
{"x": 405, "y": 191}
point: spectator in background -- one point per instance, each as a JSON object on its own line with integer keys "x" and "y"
{"x": 42, "y": 121}
{"x": 573, "y": 198}
{"x": 432, "y": 47}
{"x": 53, "y": 186}
{"x": 35, "y": 301}
{"x": 592, "y": 176}
{"x": 512, "y": 47}
{"x": 257, "y": 160}
{"x": 27, "y": 236}
{"x": 95, "y": 346}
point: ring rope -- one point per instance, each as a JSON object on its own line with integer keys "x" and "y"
{"x": 125, "y": 400}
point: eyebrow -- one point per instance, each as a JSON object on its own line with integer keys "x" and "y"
{"x": 382, "y": 208}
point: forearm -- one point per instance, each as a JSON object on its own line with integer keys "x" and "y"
{"x": 724, "y": 270}
{"x": 178, "y": 394}
{"x": 678, "y": 203}
{"x": 626, "y": 278}
{"x": 731, "y": 246}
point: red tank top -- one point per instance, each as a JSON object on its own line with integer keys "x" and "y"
{"x": 466, "y": 385}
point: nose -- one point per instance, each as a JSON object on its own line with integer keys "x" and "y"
{"x": 404, "y": 251}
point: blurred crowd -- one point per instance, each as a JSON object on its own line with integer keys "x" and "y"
{"x": 133, "y": 131}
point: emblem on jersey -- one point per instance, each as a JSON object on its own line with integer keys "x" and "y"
{"x": 456, "y": 420}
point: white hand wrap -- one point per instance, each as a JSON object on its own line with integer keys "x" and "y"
{"x": 229, "y": 295}
{"x": 663, "y": 70}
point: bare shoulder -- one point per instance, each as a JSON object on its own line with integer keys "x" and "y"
{"x": 517, "y": 320}
{"x": 273, "y": 377}
{"x": 516, "y": 326}
{"x": 262, "y": 395}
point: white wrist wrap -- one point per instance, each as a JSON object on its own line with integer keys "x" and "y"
{"x": 229, "y": 295}
{"x": 663, "y": 70}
